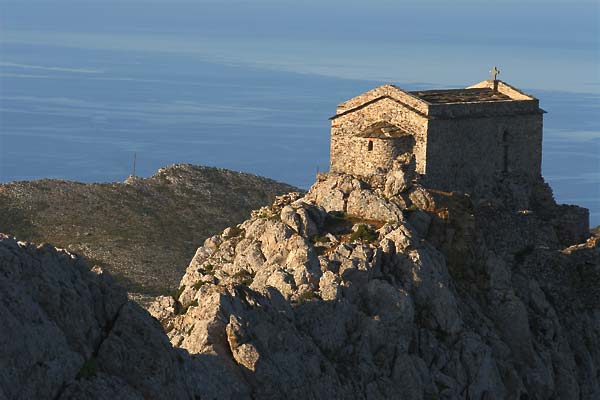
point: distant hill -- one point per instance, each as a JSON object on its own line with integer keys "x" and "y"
{"x": 144, "y": 231}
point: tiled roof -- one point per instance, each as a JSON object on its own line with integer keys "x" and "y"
{"x": 460, "y": 95}
{"x": 383, "y": 130}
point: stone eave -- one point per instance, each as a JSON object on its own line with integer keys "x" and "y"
{"x": 489, "y": 115}
{"x": 375, "y": 100}
{"x": 383, "y": 130}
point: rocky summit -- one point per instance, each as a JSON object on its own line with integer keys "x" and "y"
{"x": 356, "y": 290}
{"x": 145, "y": 230}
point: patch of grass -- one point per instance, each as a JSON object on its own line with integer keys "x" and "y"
{"x": 364, "y": 234}
{"x": 184, "y": 310}
{"x": 88, "y": 369}
{"x": 340, "y": 222}
{"x": 198, "y": 285}
{"x": 271, "y": 215}
{"x": 337, "y": 222}
{"x": 175, "y": 294}
{"x": 307, "y": 296}
{"x": 412, "y": 207}
{"x": 208, "y": 269}
{"x": 15, "y": 221}
{"x": 244, "y": 277}
{"x": 319, "y": 239}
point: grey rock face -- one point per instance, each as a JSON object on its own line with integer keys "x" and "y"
{"x": 399, "y": 178}
{"x": 313, "y": 299}
{"x": 70, "y": 333}
{"x": 366, "y": 204}
{"x": 429, "y": 306}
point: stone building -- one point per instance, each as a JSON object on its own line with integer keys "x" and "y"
{"x": 460, "y": 138}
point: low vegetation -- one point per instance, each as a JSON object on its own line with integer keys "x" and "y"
{"x": 244, "y": 277}
{"x": 364, "y": 234}
{"x": 144, "y": 231}
{"x": 88, "y": 370}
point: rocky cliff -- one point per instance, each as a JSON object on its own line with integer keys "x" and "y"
{"x": 143, "y": 231}
{"x": 357, "y": 290}
{"x": 69, "y": 332}
{"x": 379, "y": 290}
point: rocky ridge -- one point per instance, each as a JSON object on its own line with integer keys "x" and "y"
{"x": 356, "y": 290}
{"x": 379, "y": 290}
{"x": 69, "y": 332}
{"x": 143, "y": 231}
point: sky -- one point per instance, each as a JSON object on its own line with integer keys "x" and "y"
{"x": 249, "y": 85}
{"x": 444, "y": 42}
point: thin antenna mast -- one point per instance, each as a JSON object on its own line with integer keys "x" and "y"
{"x": 134, "y": 161}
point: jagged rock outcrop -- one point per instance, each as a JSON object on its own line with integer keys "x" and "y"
{"x": 397, "y": 291}
{"x": 417, "y": 295}
{"x": 68, "y": 332}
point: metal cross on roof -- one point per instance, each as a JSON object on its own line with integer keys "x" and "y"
{"x": 495, "y": 72}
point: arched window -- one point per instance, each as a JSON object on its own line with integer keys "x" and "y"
{"x": 370, "y": 146}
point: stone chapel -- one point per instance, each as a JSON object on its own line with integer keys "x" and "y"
{"x": 459, "y": 137}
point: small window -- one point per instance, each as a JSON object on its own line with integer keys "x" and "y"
{"x": 370, "y": 146}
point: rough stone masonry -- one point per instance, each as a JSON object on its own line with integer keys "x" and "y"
{"x": 462, "y": 139}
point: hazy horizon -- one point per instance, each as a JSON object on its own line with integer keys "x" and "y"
{"x": 84, "y": 84}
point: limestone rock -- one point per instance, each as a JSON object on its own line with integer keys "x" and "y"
{"x": 70, "y": 333}
{"x": 460, "y": 299}
{"x": 365, "y": 204}
{"x": 399, "y": 179}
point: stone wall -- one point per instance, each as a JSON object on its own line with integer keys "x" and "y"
{"x": 463, "y": 153}
{"x": 350, "y": 154}
{"x": 384, "y": 90}
{"x": 483, "y": 109}
{"x": 457, "y": 146}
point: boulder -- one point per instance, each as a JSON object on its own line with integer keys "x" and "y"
{"x": 367, "y": 205}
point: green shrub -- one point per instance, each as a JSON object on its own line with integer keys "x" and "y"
{"x": 307, "y": 296}
{"x": 412, "y": 207}
{"x": 208, "y": 269}
{"x": 244, "y": 277}
{"x": 183, "y": 310}
{"x": 175, "y": 294}
{"x": 364, "y": 234}
{"x": 198, "y": 285}
{"x": 88, "y": 369}
{"x": 337, "y": 221}
{"x": 319, "y": 239}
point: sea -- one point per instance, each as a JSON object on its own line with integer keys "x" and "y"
{"x": 83, "y": 114}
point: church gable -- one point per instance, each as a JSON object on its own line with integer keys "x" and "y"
{"x": 379, "y": 93}
{"x": 458, "y": 137}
